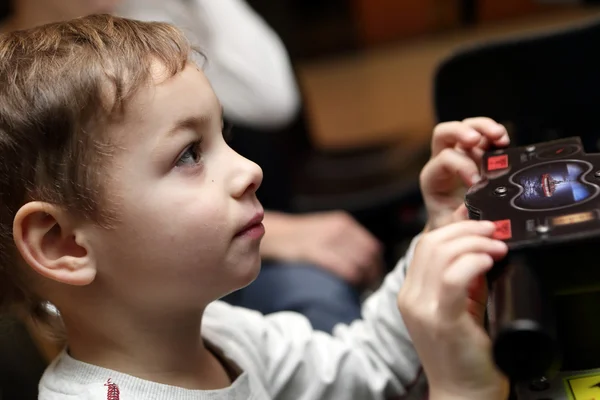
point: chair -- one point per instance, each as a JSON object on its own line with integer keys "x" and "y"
{"x": 542, "y": 86}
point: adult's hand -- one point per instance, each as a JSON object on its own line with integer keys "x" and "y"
{"x": 332, "y": 240}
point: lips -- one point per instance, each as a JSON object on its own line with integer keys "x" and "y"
{"x": 255, "y": 222}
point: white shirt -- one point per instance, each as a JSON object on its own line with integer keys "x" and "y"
{"x": 281, "y": 358}
{"x": 248, "y": 65}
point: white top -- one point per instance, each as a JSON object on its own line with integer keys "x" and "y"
{"x": 248, "y": 65}
{"x": 281, "y": 358}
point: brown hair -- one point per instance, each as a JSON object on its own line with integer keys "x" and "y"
{"x": 61, "y": 84}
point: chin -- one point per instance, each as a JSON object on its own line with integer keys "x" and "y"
{"x": 248, "y": 274}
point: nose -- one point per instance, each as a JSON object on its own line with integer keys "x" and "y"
{"x": 246, "y": 176}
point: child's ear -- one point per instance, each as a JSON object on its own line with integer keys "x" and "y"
{"x": 48, "y": 241}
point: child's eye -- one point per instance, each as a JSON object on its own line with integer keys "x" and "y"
{"x": 191, "y": 156}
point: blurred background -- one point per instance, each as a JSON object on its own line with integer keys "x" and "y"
{"x": 366, "y": 67}
{"x": 367, "y": 71}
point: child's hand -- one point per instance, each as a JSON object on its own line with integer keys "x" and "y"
{"x": 456, "y": 152}
{"x": 442, "y": 302}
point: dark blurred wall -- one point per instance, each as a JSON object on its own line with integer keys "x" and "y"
{"x": 4, "y": 9}
{"x": 310, "y": 27}
{"x": 315, "y": 28}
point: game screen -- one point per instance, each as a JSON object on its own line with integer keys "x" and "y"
{"x": 553, "y": 185}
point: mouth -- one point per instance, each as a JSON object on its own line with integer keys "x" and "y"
{"x": 254, "y": 228}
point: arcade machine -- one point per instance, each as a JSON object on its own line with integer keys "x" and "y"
{"x": 544, "y": 306}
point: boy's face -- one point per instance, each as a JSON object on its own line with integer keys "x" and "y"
{"x": 181, "y": 196}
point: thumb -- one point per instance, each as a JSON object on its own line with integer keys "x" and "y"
{"x": 460, "y": 214}
{"x": 442, "y": 174}
{"x": 478, "y": 295}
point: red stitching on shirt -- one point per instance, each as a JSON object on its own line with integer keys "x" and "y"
{"x": 112, "y": 392}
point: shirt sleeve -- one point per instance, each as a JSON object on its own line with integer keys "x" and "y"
{"x": 246, "y": 62}
{"x": 372, "y": 358}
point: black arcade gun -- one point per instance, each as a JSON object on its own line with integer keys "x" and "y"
{"x": 544, "y": 305}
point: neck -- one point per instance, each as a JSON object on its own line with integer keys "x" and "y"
{"x": 162, "y": 348}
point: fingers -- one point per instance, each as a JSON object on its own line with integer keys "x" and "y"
{"x": 460, "y": 214}
{"x": 457, "y": 149}
{"x": 446, "y": 251}
{"x": 336, "y": 242}
{"x": 373, "y": 273}
{"x": 441, "y": 247}
{"x": 459, "y": 229}
{"x": 445, "y": 167}
{"x": 469, "y": 134}
{"x": 452, "y": 250}
{"x": 449, "y": 134}
{"x": 360, "y": 249}
{"x": 364, "y": 248}
{"x": 339, "y": 265}
{"x": 478, "y": 296}
{"x": 492, "y": 132}
{"x": 474, "y": 244}
{"x": 457, "y": 278}
{"x": 445, "y": 264}
{"x": 444, "y": 313}
{"x": 365, "y": 256}
{"x": 361, "y": 237}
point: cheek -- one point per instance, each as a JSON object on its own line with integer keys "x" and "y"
{"x": 181, "y": 225}
{"x": 176, "y": 212}
{"x": 200, "y": 227}
{"x": 171, "y": 243}
{"x": 184, "y": 219}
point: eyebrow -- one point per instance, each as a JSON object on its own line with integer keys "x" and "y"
{"x": 191, "y": 123}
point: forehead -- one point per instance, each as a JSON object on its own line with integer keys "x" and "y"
{"x": 165, "y": 100}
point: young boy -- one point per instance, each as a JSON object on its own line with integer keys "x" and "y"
{"x": 314, "y": 263}
{"x": 122, "y": 206}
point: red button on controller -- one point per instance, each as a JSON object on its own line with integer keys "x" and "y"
{"x": 503, "y": 230}
{"x": 497, "y": 162}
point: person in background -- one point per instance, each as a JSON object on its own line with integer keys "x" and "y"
{"x": 315, "y": 263}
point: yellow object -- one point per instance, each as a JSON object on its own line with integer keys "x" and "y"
{"x": 583, "y": 387}
{"x": 573, "y": 218}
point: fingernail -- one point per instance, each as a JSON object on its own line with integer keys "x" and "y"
{"x": 489, "y": 225}
{"x": 475, "y": 178}
{"x": 501, "y": 245}
{"x": 473, "y": 135}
